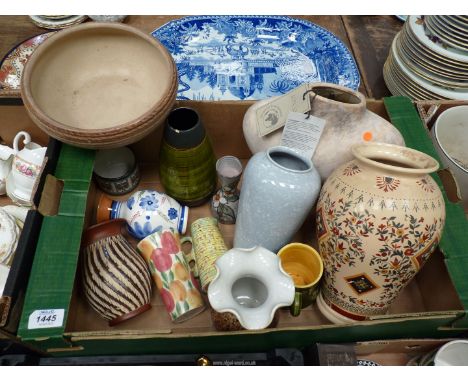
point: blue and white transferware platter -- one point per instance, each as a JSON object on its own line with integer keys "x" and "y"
{"x": 253, "y": 57}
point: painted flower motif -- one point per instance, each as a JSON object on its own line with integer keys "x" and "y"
{"x": 400, "y": 232}
{"x": 178, "y": 290}
{"x": 387, "y": 183}
{"x": 395, "y": 263}
{"x": 149, "y": 203}
{"x": 25, "y": 169}
{"x": 409, "y": 252}
{"x": 351, "y": 170}
{"x": 180, "y": 272}
{"x": 218, "y": 199}
{"x": 130, "y": 203}
{"x": 194, "y": 298}
{"x": 141, "y": 231}
{"x": 425, "y": 185}
{"x": 169, "y": 243}
{"x": 145, "y": 248}
{"x": 161, "y": 260}
{"x": 167, "y": 299}
{"x": 172, "y": 213}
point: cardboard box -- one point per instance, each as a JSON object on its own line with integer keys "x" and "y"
{"x": 433, "y": 305}
{"x": 13, "y": 118}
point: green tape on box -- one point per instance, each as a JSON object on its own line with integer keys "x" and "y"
{"x": 454, "y": 242}
{"x": 53, "y": 273}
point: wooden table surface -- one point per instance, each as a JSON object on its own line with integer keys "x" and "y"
{"x": 368, "y": 37}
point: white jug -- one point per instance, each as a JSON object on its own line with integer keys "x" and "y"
{"x": 26, "y": 168}
{"x": 6, "y": 157}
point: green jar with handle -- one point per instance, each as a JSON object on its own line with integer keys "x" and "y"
{"x": 187, "y": 164}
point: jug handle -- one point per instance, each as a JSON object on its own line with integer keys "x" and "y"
{"x": 26, "y": 140}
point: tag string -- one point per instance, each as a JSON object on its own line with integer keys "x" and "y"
{"x": 311, "y": 101}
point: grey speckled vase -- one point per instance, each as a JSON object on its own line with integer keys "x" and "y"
{"x": 279, "y": 189}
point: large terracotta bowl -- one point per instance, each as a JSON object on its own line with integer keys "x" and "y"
{"x": 99, "y": 85}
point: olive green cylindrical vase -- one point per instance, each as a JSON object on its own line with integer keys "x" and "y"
{"x": 187, "y": 164}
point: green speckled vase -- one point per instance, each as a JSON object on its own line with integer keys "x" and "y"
{"x": 187, "y": 164}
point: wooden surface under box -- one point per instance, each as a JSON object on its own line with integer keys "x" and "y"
{"x": 368, "y": 38}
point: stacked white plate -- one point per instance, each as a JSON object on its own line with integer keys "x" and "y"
{"x": 58, "y": 21}
{"x": 422, "y": 65}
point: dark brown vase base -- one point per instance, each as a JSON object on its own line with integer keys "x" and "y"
{"x": 127, "y": 316}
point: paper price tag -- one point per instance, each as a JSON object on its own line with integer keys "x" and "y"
{"x": 46, "y": 318}
{"x": 273, "y": 115}
{"x": 302, "y": 133}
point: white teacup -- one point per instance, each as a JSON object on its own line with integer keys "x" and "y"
{"x": 450, "y": 136}
{"x": 26, "y": 169}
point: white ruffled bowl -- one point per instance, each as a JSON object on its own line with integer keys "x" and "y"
{"x": 252, "y": 285}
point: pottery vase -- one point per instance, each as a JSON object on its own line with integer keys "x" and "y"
{"x": 279, "y": 189}
{"x": 116, "y": 281}
{"x": 225, "y": 201}
{"x": 146, "y": 212}
{"x": 186, "y": 159}
{"x": 379, "y": 218}
{"x": 348, "y": 122}
{"x": 116, "y": 171}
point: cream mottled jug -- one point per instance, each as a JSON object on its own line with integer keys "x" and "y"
{"x": 379, "y": 218}
{"x": 348, "y": 122}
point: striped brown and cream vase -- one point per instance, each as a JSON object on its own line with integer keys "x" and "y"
{"x": 116, "y": 280}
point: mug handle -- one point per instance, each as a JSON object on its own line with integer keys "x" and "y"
{"x": 190, "y": 257}
{"x": 26, "y": 140}
{"x": 295, "y": 308}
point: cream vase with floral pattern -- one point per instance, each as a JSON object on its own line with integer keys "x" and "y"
{"x": 379, "y": 218}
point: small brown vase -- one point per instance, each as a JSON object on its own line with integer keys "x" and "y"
{"x": 116, "y": 281}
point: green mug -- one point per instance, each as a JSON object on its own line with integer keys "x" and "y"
{"x": 304, "y": 264}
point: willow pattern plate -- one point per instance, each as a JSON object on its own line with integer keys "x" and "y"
{"x": 253, "y": 57}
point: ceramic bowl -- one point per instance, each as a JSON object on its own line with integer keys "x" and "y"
{"x": 252, "y": 285}
{"x": 99, "y": 85}
{"x": 116, "y": 171}
{"x": 451, "y": 140}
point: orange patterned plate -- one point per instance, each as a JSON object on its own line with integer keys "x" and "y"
{"x": 11, "y": 66}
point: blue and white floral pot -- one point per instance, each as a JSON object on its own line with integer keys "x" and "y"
{"x": 146, "y": 212}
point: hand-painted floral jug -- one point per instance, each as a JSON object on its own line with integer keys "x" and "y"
{"x": 146, "y": 212}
